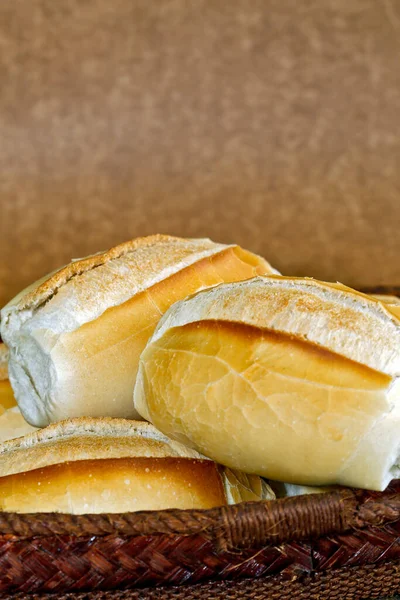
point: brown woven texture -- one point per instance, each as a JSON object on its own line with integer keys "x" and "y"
{"x": 242, "y": 525}
{"x": 59, "y": 553}
{"x": 347, "y": 584}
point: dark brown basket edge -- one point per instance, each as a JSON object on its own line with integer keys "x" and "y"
{"x": 249, "y": 524}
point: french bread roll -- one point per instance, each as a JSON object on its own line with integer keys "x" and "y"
{"x": 108, "y": 465}
{"x": 290, "y": 378}
{"x": 12, "y": 423}
{"x": 75, "y": 337}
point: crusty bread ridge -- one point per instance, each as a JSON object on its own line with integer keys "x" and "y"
{"x": 330, "y": 315}
{"x": 76, "y": 336}
{"x": 290, "y": 378}
{"x": 86, "y": 438}
{"x": 96, "y": 278}
{"x": 43, "y": 290}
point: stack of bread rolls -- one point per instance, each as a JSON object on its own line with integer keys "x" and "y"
{"x": 75, "y": 338}
{"x": 240, "y": 373}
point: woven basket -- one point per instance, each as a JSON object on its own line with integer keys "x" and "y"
{"x": 341, "y": 545}
{"x": 300, "y": 545}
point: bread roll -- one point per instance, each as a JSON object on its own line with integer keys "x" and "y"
{"x": 113, "y": 465}
{"x": 12, "y": 423}
{"x": 75, "y": 337}
{"x": 290, "y": 378}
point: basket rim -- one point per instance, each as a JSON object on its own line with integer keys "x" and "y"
{"x": 244, "y": 525}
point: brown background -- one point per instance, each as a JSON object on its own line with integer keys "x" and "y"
{"x": 271, "y": 122}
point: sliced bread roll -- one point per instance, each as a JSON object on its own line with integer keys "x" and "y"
{"x": 290, "y": 378}
{"x": 75, "y": 337}
{"x": 108, "y": 465}
{"x": 12, "y": 423}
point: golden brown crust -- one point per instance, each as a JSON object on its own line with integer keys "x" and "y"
{"x": 239, "y": 333}
{"x": 114, "y": 485}
{"x": 330, "y": 315}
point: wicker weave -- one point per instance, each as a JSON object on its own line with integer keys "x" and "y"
{"x": 60, "y": 553}
{"x": 353, "y": 583}
{"x": 242, "y": 525}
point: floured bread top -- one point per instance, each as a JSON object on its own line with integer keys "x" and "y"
{"x": 84, "y": 439}
{"x": 84, "y": 289}
{"x": 42, "y": 291}
{"x": 346, "y": 322}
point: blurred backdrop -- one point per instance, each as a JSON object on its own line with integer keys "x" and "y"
{"x": 273, "y": 123}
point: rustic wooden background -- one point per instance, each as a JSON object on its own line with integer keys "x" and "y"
{"x": 274, "y": 123}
